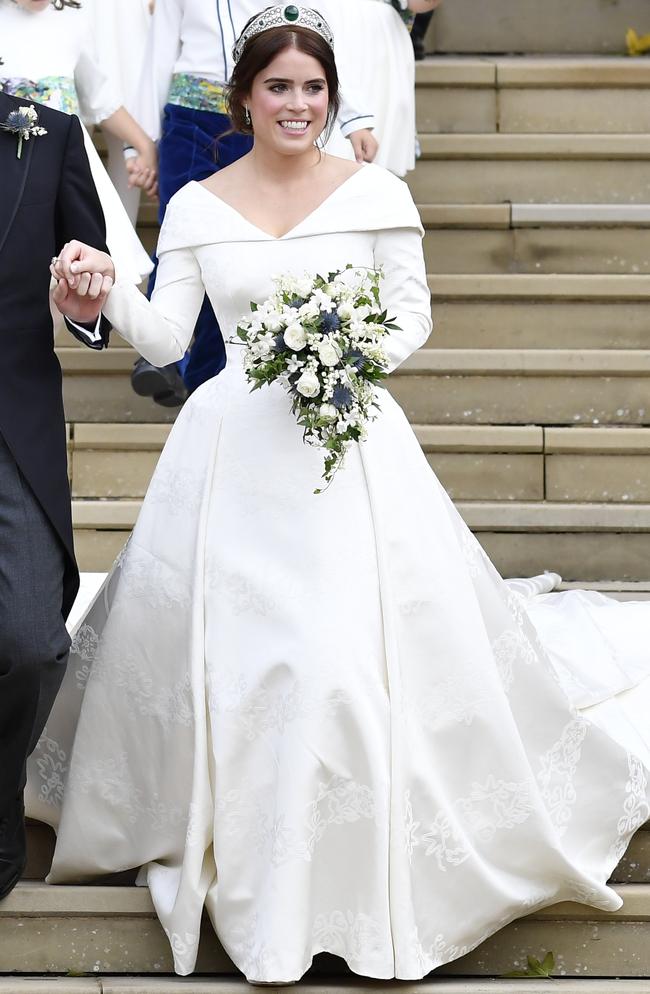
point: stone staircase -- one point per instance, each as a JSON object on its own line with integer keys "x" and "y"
{"x": 531, "y": 402}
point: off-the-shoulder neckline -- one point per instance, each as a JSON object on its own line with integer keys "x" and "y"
{"x": 287, "y": 234}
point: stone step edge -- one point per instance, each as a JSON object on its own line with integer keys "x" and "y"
{"x": 446, "y": 362}
{"x": 543, "y": 72}
{"x": 479, "y": 515}
{"x": 48, "y": 984}
{"x": 505, "y": 215}
{"x": 37, "y": 900}
{"x": 578, "y": 440}
{"x": 528, "y": 362}
{"x": 520, "y": 215}
{"x": 534, "y": 146}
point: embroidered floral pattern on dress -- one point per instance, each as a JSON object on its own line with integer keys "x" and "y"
{"x": 511, "y": 649}
{"x": 636, "y": 807}
{"x": 557, "y": 771}
{"x": 353, "y": 935}
{"x": 445, "y": 842}
{"x": 119, "y": 665}
{"x": 119, "y": 789}
{"x": 52, "y": 765}
{"x": 153, "y": 581}
{"x": 265, "y": 709}
{"x": 338, "y": 802}
{"x": 180, "y": 490}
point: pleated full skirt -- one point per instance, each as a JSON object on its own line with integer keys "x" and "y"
{"x": 326, "y": 719}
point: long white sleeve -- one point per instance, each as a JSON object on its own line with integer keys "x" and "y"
{"x": 162, "y": 51}
{"x": 160, "y": 329}
{"x": 404, "y": 291}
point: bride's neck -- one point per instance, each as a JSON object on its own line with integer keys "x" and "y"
{"x": 273, "y": 167}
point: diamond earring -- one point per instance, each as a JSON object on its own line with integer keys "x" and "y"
{"x": 248, "y": 114}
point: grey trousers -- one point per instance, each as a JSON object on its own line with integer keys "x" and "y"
{"x": 34, "y": 642}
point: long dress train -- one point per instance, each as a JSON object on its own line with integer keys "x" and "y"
{"x": 326, "y": 719}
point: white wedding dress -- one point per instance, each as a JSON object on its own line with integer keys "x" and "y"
{"x": 326, "y": 719}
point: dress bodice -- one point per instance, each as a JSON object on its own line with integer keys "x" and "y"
{"x": 206, "y": 246}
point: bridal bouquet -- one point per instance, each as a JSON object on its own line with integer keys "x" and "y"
{"x": 321, "y": 338}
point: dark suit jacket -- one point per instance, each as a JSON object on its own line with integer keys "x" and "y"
{"x": 47, "y": 198}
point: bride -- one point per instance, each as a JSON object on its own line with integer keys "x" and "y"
{"x": 324, "y": 719}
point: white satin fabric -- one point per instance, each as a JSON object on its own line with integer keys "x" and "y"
{"x": 325, "y": 719}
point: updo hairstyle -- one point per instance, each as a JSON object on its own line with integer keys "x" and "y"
{"x": 259, "y": 52}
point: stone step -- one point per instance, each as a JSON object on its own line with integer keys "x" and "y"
{"x": 546, "y": 168}
{"x": 536, "y": 239}
{"x": 509, "y": 386}
{"x": 540, "y": 95}
{"x": 474, "y": 462}
{"x": 114, "y": 930}
{"x": 592, "y": 27}
{"x": 47, "y": 984}
{"x": 581, "y": 541}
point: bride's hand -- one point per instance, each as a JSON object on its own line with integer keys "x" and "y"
{"x": 76, "y": 260}
{"x": 84, "y": 279}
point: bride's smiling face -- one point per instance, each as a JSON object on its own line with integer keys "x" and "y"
{"x": 289, "y": 102}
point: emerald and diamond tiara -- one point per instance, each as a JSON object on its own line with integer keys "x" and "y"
{"x": 283, "y": 15}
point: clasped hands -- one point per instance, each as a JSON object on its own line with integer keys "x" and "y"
{"x": 84, "y": 277}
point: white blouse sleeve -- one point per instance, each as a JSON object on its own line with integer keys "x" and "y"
{"x": 98, "y": 96}
{"x": 160, "y": 329}
{"x": 404, "y": 291}
{"x": 161, "y": 53}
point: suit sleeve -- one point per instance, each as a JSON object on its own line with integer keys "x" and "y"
{"x": 79, "y": 214}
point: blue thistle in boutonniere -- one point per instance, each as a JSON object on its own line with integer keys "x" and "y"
{"x": 24, "y": 124}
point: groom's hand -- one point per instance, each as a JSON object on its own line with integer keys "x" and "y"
{"x": 77, "y": 259}
{"x": 84, "y": 279}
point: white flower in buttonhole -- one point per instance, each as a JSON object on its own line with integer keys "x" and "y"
{"x": 308, "y": 385}
{"x": 295, "y": 336}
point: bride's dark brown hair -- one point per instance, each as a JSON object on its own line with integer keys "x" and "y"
{"x": 260, "y": 51}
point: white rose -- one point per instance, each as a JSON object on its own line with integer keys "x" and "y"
{"x": 304, "y": 287}
{"x": 345, "y": 312}
{"x": 309, "y": 310}
{"x": 295, "y": 337}
{"x": 328, "y": 353}
{"x": 328, "y": 411}
{"x": 308, "y": 384}
{"x": 272, "y": 322}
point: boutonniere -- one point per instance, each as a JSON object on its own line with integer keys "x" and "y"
{"x": 24, "y": 124}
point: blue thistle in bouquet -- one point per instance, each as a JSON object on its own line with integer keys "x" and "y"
{"x": 322, "y": 339}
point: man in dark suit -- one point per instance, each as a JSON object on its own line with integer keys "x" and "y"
{"x": 47, "y": 197}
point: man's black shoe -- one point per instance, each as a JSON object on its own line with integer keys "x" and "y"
{"x": 163, "y": 384}
{"x": 13, "y": 847}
